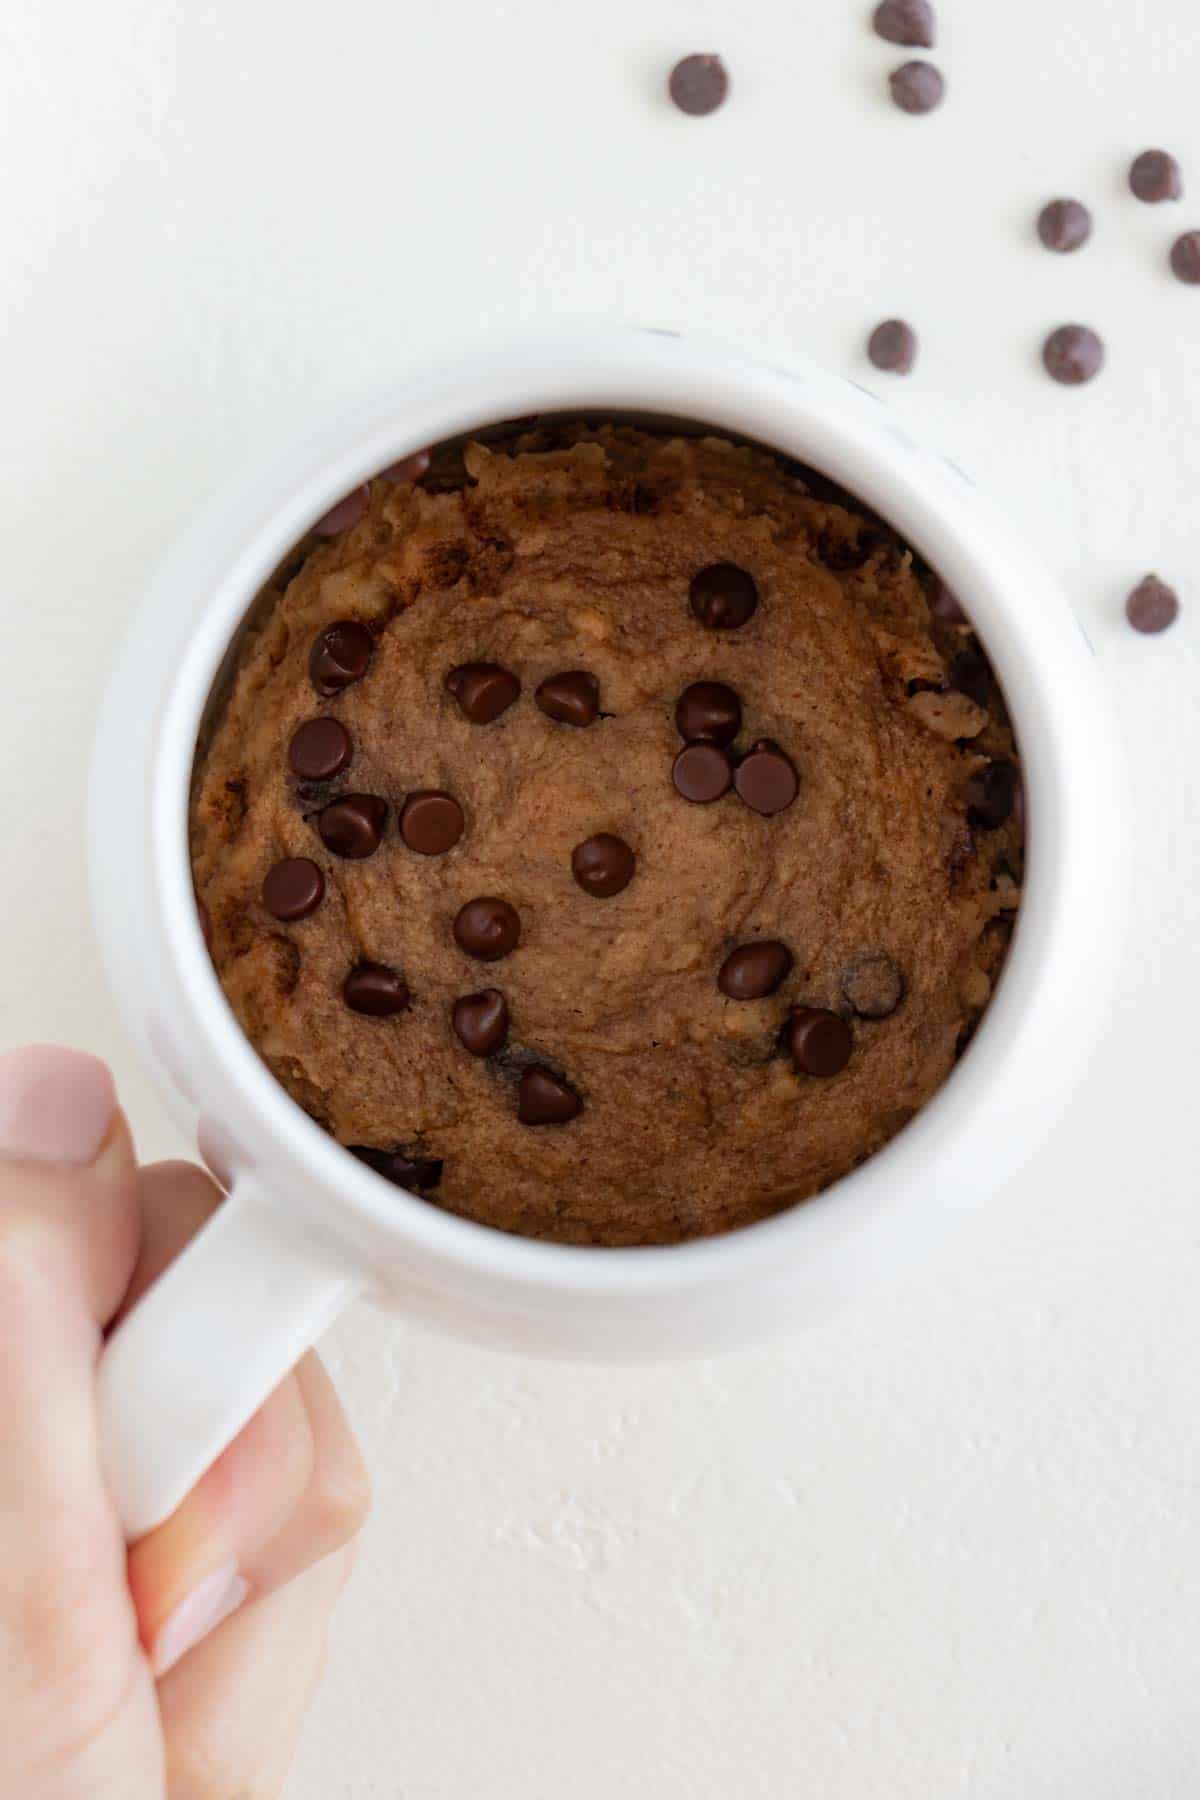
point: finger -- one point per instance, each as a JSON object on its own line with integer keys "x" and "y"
{"x": 231, "y": 1711}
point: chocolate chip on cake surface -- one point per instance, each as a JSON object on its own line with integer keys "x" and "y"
{"x": 487, "y": 928}
{"x": 698, "y": 84}
{"x": 991, "y": 792}
{"x": 723, "y": 597}
{"x": 766, "y": 779}
{"x": 483, "y": 690}
{"x": 892, "y": 347}
{"x": 1072, "y": 355}
{"x": 1185, "y": 258}
{"x": 319, "y": 749}
{"x": 572, "y": 698}
{"x": 945, "y": 604}
{"x": 819, "y": 1042}
{"x": 917, "y": 87}
{"x": 544, "y": 1098}
{"x": 431, "y": 821}
{"x": 873, "y": 985}
{"x": 340, "y": 656}
{"x": 353, "y": 825}
{"x": 603, "y": 865}
{"x": 480, "y": 1021}
{"x": 293, "y": 889}
{"x": 346, "y": 513}
{"x": 754, "y": 970}
{"x": 708, "y": 712}
{"x": 399, "y": 1167}
{"x": 374, "y": 989}
{"x": 970, "y": 673}
{"x": 1155, "y": 176}
{"x": 702, "y": 773}
{"x": 1064, "y": 225}
{"x": 906, "y": 22}
{"x": 1152, "y": 606}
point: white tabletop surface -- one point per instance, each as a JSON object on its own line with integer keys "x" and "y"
{"x": 950, "y": 1544}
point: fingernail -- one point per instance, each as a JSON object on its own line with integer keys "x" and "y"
{"x": 56, "y": 1105}
{"x": 210, "y": 1602}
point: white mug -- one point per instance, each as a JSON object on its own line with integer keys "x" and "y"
{"x": 306, "y": 1227}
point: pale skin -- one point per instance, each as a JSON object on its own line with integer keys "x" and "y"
{"x": 177, "y": 1668}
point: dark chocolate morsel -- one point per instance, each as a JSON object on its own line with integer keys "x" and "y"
{"x": 573, "y": 698}
{"x": 376, "y": 990}
{"x": 339, "y": 657}
{"x": 1064, "y": 225}
{"x": 698, "y": 84}
{"x": 754, "y": 970}
{"x": 320, "y": 748}
{"x": 723, "y": 597}
{"x": 970, "y": 674}
{"x": 819, "y": 1042}
{"x": 907, "y": 22}
{"x": 294, "y": 888}
{"x": 544, "y": 1098}
{"x": 603, "y": 865}
{"x": 398, "y": 1167}
{"x": 1152, "y": 605}
{"x": 1072, "y": 355}
{"x": 431, "y": 821}
{"x": 765, "y": 779}
{"x": 1154, "y": 176}
{"x": 1185, "y": 258}
{"x": 702, "y": 772}
{"x": 480, "y": 1021}
{"x": 991, "y": 792}
{"x": 892, "y": 346}
{"x": 483, "y": 690}
{"x": 917, "y": 87}
{"x": 708, "y": 712}
{"x": 487, "y": 928}
{"x": 353, "y": 825}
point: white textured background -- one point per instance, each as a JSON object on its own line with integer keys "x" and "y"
{"x": 949, "y": 1545}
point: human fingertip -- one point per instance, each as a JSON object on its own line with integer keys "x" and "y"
{"x": 56, "y": 1105}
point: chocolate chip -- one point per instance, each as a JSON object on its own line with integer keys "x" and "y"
{"x": 294, "y": 888}
{"x": 945, "y": 604}
{"x": 754, "y": 970}
{"x": 723, "y": 596}
{"x": 353, "y": 825}
{"x": 431, "y": 821}
{"x": 819, "y": 1042}
{"x": 708, "y": 712}
{"x": 1185, "y": 257}
{"x": 701, "y": 773}
{"x": 603, "y": 865}
{"x": 398, "y": 1167}
{"x": 375, "y": 990}
{"x": 698, "y": 84}
{"x": 339, "y": 656}
{"x": 544, "y": 1098}
{"x": 873, "y": 985}
{"x": 1155, "y": 176}
{"x": 481, "y": 1021}
{"x": 970, "y": 673}
{"x": 319, "y": 748}
{"x": 907, "y": 22}
{"x": 1152, "y": 605}
{"x": 917, "y": 87}
{"x": 483, "y": 690}
{"x": 892, "y": 346}
{"x": 1063, "y": 225}
{"x": 573, "y": 698}
{"x": 765, "y": 779}
{"x": 990, "y": 795}
{"x": 487, "y": 928}
{"x": 346, "y": 513}
{"x": 1073, "y": 354}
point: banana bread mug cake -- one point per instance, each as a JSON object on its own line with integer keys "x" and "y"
{"x": 612, "y": 837}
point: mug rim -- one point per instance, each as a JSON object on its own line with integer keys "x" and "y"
{"x": 802, "y": 412}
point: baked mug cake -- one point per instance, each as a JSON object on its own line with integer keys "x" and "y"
{"x": 611, "y": 836}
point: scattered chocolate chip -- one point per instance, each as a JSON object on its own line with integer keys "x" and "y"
{"x": 346, "y": 513}
{"x": 892, "y": 346}
{"x": 1152, "y": 605}
{"x": 409, "y": 468}
{"x": 603, "y": 865}
{"x": 754, "y": 970}
{"x": 294, "y": 888}
{"x": 487, "y": 928}
{"x": 1073, "y": 354}
{"x": 1155, "y": 176}
{"x": 398, "y": 1167}
{"x": 970, "y": 673}
{"x": 1064, "y": 225}
{"x": 483, "y": 690}
{"x": 702, "y": 772}
{"x": 723, "y": 596}
{"x": 917, "y": 87}
{"x": 375, "y": 990}
{"x": 873, "y": 985}
{"x": 339, "y": 657}
{"x": 819, "y": 1042}
{"x": 907, "y": 22}
{"x": 573, "y": 698}
{"x": 481, "y": 1021}
{"x": 546, "y": 1099}
{"x": 353, "y": 825}
{"x": 431, "y": 821}
{"x": 698, "y": 84}
{"x": 1185, "y": 257}
{"x": 708, "y": 712}
{"x": 319, "y": 748}
{"x": 944, "y": 604}
{"x": 765, "y": 779}
{"x": 990, "y": 795}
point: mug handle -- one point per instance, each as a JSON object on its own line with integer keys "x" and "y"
{"x": 204, "y": 1347}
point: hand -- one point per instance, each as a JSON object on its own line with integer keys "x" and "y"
{"x": 179, "y": 1668}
